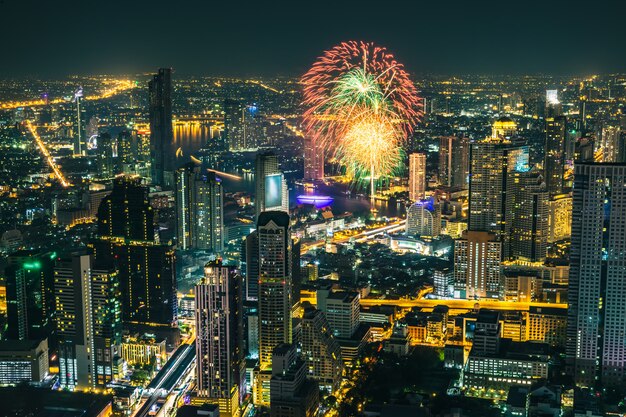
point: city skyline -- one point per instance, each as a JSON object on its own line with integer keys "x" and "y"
{"x": 349, "y": 232}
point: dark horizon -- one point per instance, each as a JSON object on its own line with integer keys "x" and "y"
{"x": 48, "y": 39}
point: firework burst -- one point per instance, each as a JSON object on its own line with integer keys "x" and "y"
{"x": 360, "y": 106}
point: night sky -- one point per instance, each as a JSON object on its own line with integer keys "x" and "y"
{"x": 230, "y": 37}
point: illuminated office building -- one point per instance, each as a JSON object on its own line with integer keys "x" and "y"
{"x": 233, "y": 125}
{"x": 107, "y": 155}
{"x": 555, "y": 151}
{"x": 126, "y": 241}
{"x": 477, "y": 266}
{"x": 274, "y": 283}
{"x": 219, "y": 344}
{"x": 199, "y": 206}
{"x": 491, "y": 161}
{"x": 161, "y": 131}
{"x": 88, "y": 322}
{"x": 596, "y": 295}
{"x": 30, "y": 294}
{"x": 454, "y": 161}
{"x": 127, "y": 152}
{"x": 23, "y": 361}
{"x": 527, "y": 208}
{"x": 126, "y": 213}
{"x": 417, "y": 176}
{"x": 251, "y": 245}
{"x": 559, "y": 218}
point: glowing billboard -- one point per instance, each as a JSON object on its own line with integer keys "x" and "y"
{"x": 273, "y": 191}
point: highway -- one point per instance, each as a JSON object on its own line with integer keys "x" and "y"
{"x": 359, "y": 237}
{"x": 453, "y": 304}
{"x": 161, "y": 387}
{"x": 118, "y": 86}
{"x": 46, "y": 154}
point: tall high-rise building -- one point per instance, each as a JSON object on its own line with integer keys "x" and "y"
{"x": 126, "y": 212}
{"x": 271, "y": 187}
{"x": 610, "y": 144}
{"x": 597, "y": 292}
{"x": 219, "y": 342}
{"x": 184, "y": 196}
{"x": 555, "y": 151}
{"x": 107, "y": 155}
{"x": 491, "y": 161}
{"x": 233, "y": 125}
{"x": 477, "y": 266}
{"x": 417, "y": 176}
{"x": 161, "y": 131}
{"x": 126, "y": 240}
{"x": 30, "y": 294}
{"x": 274, "y": 283}
{"x": 127, "y": 152}
{"x": 313, "y": 159}
{"x": 252, "y": 266}
{"x": 106, "y": 315}
{"x": 423, "y": 218}
{"x": 320, "y": 349}
{"x": 454, "y": 161}
{"x": 527, "y": 214}
{"x": 88, "y": 322}
{"x": 199, "y": 207}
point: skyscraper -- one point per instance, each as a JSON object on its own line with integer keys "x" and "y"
{"x": 597, "y": 290}
{"x": 126, "y": 241}
{"x": 252, "y": 266}
{"x": 219, "y": 344}
{"x": 161, "y": 131}
{"x": 88, "y": 322}
{"x": 274, "y": 283}
{"x": 127, "y": 152}
{"x": 274, "y": 294}
{"x": 491, "y": 161}
{"x": 417, "y": 176}
{"x": 199, "y": 206}
{"x": 107, "y": 152}
{"x": 233, "y": 125}
{"x": 477, "y": 266}
{"x": 184, "y": 183}
{"x": 271, "y": 187}
{"x": 554, "y": 160}
{"x": 30, "y": 294}
{"x": 126, "y": 212}
{"x": 454, "y": 161}
{"x": 313, "y": 159}
{"x": 527, "y": 215}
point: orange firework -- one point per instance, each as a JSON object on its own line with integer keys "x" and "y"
{"x": 360, "y": 105}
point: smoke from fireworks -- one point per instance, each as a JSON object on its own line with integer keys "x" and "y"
{"x": 361, "y": 105}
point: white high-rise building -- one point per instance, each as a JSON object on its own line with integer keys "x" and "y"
{"x": 596, "y": 333}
